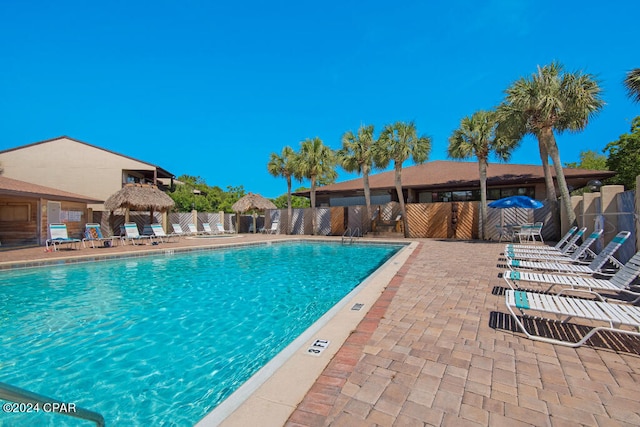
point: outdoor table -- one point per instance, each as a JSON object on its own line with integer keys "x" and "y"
{"x": 514, "y": 230}
{"x": 507, "y": 231}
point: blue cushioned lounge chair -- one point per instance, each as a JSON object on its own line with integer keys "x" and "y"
{"x": 133, "y": 235}
{"x": 93, "y": 235}
{"x": 58, "y": 236}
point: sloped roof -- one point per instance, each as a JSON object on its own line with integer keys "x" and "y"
{"x": 14, "y": 187}
{"x": 163, "y": 172}
{"x": 453, "y": 174}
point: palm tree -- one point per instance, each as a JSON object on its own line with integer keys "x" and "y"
{"x": 316, "y": 162}
{"x": 356, "y": 155}
{"x": 283, "y": 165}
{"x": 632, "y": 82}
{"x": 552, "y": 101}
{"x": 399, "y": 142}
{"x": 513, "y": 125}
{"x": 476, "y": 137}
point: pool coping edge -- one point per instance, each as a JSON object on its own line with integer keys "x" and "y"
{"x": 274, "y": 392}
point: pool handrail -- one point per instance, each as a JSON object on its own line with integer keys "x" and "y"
{"x": 350, "y": 234}
{"x": 18, "y": 395}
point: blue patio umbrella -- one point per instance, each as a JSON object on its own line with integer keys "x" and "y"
{"x": 523, "y": 202}
{"x": 516, "y": 202}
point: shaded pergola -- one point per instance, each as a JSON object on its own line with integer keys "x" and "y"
{"x": 252, "y": 202}
{"x": 139, "y": 197}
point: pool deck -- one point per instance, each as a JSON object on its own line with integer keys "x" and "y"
{"x": 437, "y": 348}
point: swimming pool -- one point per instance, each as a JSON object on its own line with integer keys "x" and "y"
{"x": 165, "y": 339}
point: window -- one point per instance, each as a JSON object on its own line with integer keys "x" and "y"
{"x": 493, "y": 194}
{"x": 14, "y": 212}
{"x": 474, "y": 195}
{"x": 426, "y": 197}
{"x": 461, "y": 196}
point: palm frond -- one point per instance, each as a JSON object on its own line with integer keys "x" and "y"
{"x": 356, "y": 153}
{"x": 632, "y": 83}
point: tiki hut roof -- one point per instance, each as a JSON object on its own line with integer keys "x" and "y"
{"x": 252, "y": 201}
{"x": 139, "y": 197}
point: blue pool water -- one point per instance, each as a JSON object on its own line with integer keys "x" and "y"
{"x": 164, "y": 339}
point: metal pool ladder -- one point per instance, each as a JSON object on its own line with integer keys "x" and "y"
{"x": 350, "y": 235}
{"x": 46, "y": 404}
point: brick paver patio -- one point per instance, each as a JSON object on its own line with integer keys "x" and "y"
{"x": 426, "y": 354}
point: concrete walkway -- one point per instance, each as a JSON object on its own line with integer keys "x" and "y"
{"x": 432, "y": 352}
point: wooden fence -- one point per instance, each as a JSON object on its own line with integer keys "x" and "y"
{"x": 447, "y": 220}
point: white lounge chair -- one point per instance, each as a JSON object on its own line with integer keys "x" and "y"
{"x": 272, "y": 230}
{"x": 594, "y": 266}
{"x": 133, "y": 235}
{"x": 58, "y": 236}
{"x": 221, "y": 229}
{"x": 614, "y": 315}
{"x": 193, "y": 230}
{"x": 159, "y": 233}
{"x": 564, "y": 245}
{"x": 559, "y": 256}
{"x": 619, "y": 282}
{"x": 207, "y": 229}
{"x": 177, "y": 230}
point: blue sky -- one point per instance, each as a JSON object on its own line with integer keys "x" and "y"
{"x": 210, "y": 89}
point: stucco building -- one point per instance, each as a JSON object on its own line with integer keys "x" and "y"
{"x": 74, "y": 166}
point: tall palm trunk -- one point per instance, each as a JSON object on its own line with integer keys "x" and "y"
{"x": 552, "y": 148}
{"x": 482, "y": 165}
{"x": 313, "y": 205}
{"x": 289, "y": 208}
{"x": 367, "y": 196}
{"x": 403, "y": 209}
{"x": 548, "y": 178}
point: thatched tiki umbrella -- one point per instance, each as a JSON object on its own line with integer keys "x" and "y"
{"x": 252, "y": 202}
{"x": 139, "y": 197}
